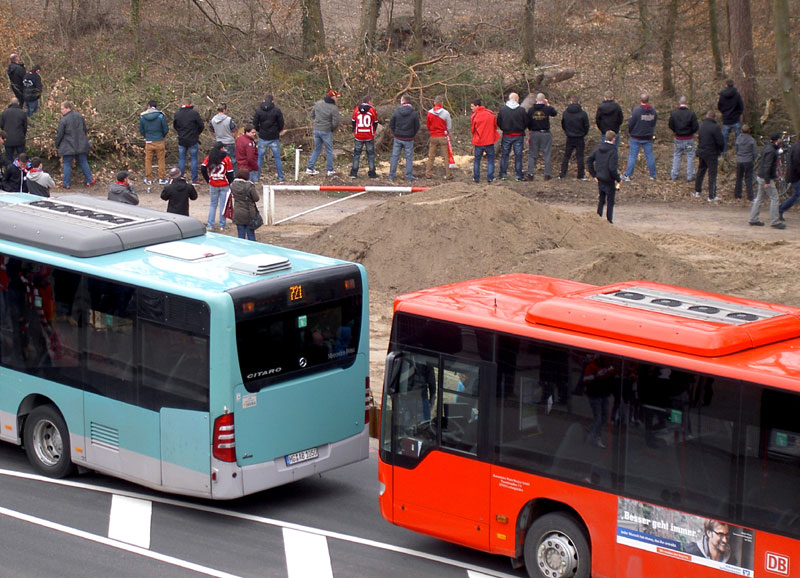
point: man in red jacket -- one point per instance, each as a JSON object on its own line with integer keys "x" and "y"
{"x": 247, "y": 152}
{"x": 439, "y": 125}
{"x": 484, "y": 135}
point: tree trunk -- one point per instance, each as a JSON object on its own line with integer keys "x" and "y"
{"x": 313, "y": 29}
{"x": 667, "y": 83}
{"x": 137, "y": 42}
{"x": 645, "y": 31}
{"x": 370, "y": 9}
{"x": 719, "y": 69}
{"x": 783, "y": 57}
{"x": 742, "y": 59}
{"x": 528, "y": 33}
{"x": 418, "y": 40}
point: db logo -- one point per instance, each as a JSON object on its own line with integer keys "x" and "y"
{"x": 777, "y": 563}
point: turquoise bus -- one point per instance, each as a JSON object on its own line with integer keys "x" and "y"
{"x": 135, "y": 344}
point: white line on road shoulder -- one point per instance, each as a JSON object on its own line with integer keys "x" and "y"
{"x": 129, "y": 520}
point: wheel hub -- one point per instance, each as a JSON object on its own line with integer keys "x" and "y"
{"x": 557, "y": 556}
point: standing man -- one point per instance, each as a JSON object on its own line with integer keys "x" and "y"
{"x": 365, "y": 120}
{"x": 540, "y": 138}
{"x": 32, "y": 89}
{"x": 439, "y": 125}
{"x": 709, "y": 146}
{"x": 405, "y": 126}
{"x": 642, "y": 128}
{"x": 512, "y": 120}
{"x": 247, "y": 152}
{"x": 16, "y": 74}
{"x": 603, "y": 167}
{"x": 731, "y": 105}
{"x": 609, "y": 117}
{"x": 15, "y": 122}
{"x": 188, "y": 124}
{"x": 767, "y": 173}
{"x": 575, "y": 123}
{"x": 72, "y": 140}
{"x": 178, "y": 193}
{"x": 326, "y": 120}
{"x": 793, "y": 177}
{"x": 683, "y": 123}
{"x": 268, "y": 122}
{"x": 153, "y": 127}
{"x": 484, "y": 134}
{"x": 225, "y": 130}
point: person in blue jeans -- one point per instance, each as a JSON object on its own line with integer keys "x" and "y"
{"x": 405, "y": 126}
{"x": 641, "y": 127}
{"x": 483, "y": 124}
{"x": 268, "y": 121}
{"x": 72, "y": 141}
{"x": 326, "y": 120}
{"x": 731, "y": 105}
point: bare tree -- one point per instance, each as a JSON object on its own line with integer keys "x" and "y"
{"x": 312, "y": 27}
{"x": 137, "y": 41}
{"x": 713, "y": 27}
{"x": 370, "y": 10}
{"x": 645, "y": 31}
{"x": 742, "y": 58}
{"x": 667, "y": 83}
{"x": 418, "y": 40}
{"x": 783, "y": 57}
{"x": 529, "y": 33}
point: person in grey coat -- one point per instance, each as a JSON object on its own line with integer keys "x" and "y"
{"x": 122, "y": 191}
{"x": 72, "y": 141}
{"x": 326, "y": 120}
{"x": 746, "y": 154}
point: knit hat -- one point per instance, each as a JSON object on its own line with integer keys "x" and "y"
{"x": 174, "y": 173}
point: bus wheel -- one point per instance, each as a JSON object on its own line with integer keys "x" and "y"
{"x": 556, "y": 547}
{"x": 47, "y": 442}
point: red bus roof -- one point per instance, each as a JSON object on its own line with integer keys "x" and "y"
{"x": 743, "y": 334}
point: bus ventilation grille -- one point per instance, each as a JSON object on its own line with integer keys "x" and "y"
{"x": 260, "y": 264}
{"x": 683, "y": 305}
{"x": 86, "y": 215}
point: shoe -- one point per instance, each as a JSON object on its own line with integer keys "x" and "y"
{"x": 490, "y": 181}
{"x": 372, "y": 175}
{"x": 756, "y": 224}
{"x": 779, "y": 226}
{"x": 780, "y": 217}
{"x": 529, "y": 177}
{"x": 448, "y": 178}
{"x": 652, "y": 178}
{"x": 547, "y": 177}
{"x": 91, "y": 184}
{"x": 476, "y": 181}
{"x": 696, "y": 194}
{"x": 503, "y": 178}
{"x": 626, "y": 178}
{"x": 520, "y": 179}
{"x": 311, "y": 172}
{"x": 147, "y": 181}
{"x": 713, "y": 199}
{"x": 583, "y": 179}
{"x": 197, "y": 182}
{"x": 353, "y": 175}
{"x": 66, "y": 187}
{"x": 163, "y": 181}
{"x": 330, "y": 173}
{"x": 411, "y": 180}
{"x": 560, "y": 177}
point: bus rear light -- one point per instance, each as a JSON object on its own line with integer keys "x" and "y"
{"x": 224, "y": 438}
{"x": 367, "y": 402}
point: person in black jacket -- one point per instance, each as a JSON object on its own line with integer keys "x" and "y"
{"x": 189, "y": 125}
{"x": 178, "y": 193}
{"x": 683, "y": 123}
{"x": 539, "y": 138}
{"x": 709, "y": 147}
{"x": 609, "y": 117}
{"x": 575, "y": 123}
{"x": 793, "y": 177}
{"x": 731, "y": 106}
{"x": 16, "y": 74}
{"x": 15, "y": 122}
{"x": 268, "y": 121}
{"x": 602, "y": 165}
{"x": 512, "y": 120}
{"x": 405, "y": 126}
{"x": 767, "y": 173}
{"x": 15, "y": 175}
{"x": 32, "y": 90}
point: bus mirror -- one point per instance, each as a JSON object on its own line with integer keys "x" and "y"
{"x": 391, "y": 372}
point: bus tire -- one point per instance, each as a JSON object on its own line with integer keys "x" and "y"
{"x": 556, "y": 547}
{"x": 46, "y": 440}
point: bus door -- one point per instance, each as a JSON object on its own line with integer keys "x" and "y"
{"x": 439, "y": 482}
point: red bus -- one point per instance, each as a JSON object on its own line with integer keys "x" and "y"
{"x": 632, "y": 430}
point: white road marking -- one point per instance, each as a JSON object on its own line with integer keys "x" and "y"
{"x": 129, "y": 520}
{"x": 259, "y": 520}
{"x": 114, "y": 544}
{"x": 307, "y": 554}
{"x": 473, "y": 574}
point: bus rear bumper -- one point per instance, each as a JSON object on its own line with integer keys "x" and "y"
{"x": 258, "y": 477}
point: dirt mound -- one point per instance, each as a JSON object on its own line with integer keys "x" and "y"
{"x": 455, "y": 232}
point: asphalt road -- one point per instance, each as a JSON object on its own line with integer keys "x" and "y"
{"x": 325, "y": 527}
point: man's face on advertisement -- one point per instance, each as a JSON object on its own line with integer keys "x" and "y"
{"x": 719, "y": 539}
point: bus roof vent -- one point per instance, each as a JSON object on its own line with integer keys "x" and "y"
{"x": 260, "y": 264}
{"x": 668, "y": 317}
{"x": 84, "y": 226}
{"x": 683, "y": 305}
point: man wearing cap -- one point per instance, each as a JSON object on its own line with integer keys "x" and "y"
{"x": 767, "y": 173}
{"x": 32, "y": 89}
{"x": 178, "y": 193}
{"x": 326, "y": 120}
{"x": 153, "y": 127}
{"x": 122, "y": 191}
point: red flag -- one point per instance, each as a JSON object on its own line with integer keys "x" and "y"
{"x": 229, "y": 206}
{"x": 450, "y": 158}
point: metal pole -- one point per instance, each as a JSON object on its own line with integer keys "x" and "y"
{"x": 296, "y": 164}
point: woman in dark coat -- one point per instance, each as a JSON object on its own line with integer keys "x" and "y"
{"x": 245, "y": 197}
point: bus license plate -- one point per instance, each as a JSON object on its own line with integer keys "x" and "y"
{"x": 303, "y": 456}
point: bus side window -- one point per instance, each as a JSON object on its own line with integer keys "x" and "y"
{"x": 460, "y": 395}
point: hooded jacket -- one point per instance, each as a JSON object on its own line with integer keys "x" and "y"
{"x": 438, "y": 121}
{"x": 484, "y": 127}
{"x": 575, "y": 121}
{"x": 731, "y": 105}
{"x": 122, "y": 193}
{"x": 364, "y": 120}
{"x": 14, "y": 180}
{"x": 539, "y": 117}
{"x": 177, "y": 194}
{"x": 40, "y": 182}
{"x": 245, "y": 196}
{"x": 31, "y": 87}
{"x": 608, "y": 116}
{"x": 188, "y": 124}
{"x": 325, "y": 115}
{"x": 683, "y": 122}
{"x": 222, "y": 126}
{"x": 512, "y": 119}
{"x": 709, "y": 139}
{"x": 404, "y": 122}
{"x": 153, "y": 125}
{"x": 602, "y": 163}
{"x": 746, "y": 151}
{"x": 642, "y": 124}
{"x": 268, "y": 121}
